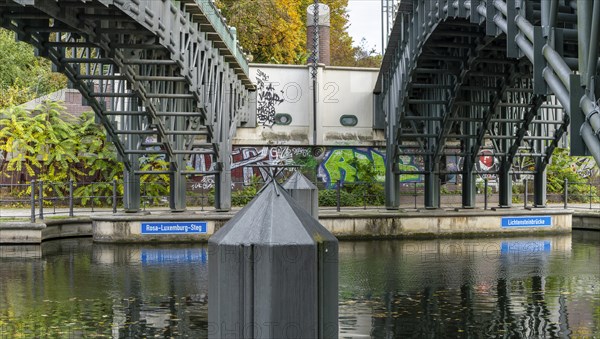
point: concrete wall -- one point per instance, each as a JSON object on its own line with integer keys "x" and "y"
{"x": 586, "y": 220}
{"x": 346, "y": 225}
{"x": 438, "y": 224}
{"x": 21, "y": 233}
{"x": 288, "y": 89}
{"x": 67, "y": 228}
{"x": 353, "y": 225}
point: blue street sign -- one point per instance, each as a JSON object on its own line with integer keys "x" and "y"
{"x": 529, "y": 221}
{"x": 194, "y": 227}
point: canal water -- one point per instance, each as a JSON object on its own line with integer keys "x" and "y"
{"x": 473, "y": 288}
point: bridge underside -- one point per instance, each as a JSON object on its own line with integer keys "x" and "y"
{"x": 165, "y": 78}
{"x": 466, "y": 79}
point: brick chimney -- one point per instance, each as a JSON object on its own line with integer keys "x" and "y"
{"x": 324, "y": 39}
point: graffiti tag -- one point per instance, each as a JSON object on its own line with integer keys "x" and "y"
{"x": 268, "y": 98}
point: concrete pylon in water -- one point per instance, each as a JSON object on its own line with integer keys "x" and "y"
{"x": 304, "y": 192}
{"x": 273, "y": 272}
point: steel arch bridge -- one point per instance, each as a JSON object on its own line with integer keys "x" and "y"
{"x": 163, "y": 77}
{"x": 505, "y": 77}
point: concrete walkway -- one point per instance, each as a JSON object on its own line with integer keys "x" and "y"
{"x": 61, "y": 213}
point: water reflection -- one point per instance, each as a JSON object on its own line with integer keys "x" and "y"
{"x": 515, "y": 287}
{"x": 504, "y": 288}
{"x": 77, "y": 288}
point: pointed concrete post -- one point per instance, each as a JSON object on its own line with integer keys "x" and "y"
{"x": 273, "y": 273}
{"x": 305, "y": 193}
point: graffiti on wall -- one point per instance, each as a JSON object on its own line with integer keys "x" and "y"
{"x": 410, "y": 164}
{"x": 341, "y": 164}
{"x": 586, "y": 167}
{"x": 246, "y": 162}
{"x": 267, "y": 99}
{"x": 333, "y": 164}
{"x": 487, "y": 163}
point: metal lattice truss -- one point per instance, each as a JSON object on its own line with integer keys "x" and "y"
{"x": 165, "y": 78}
{"x": 460, "y": 78}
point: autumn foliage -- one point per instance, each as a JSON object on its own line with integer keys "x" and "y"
{"x": 274, "y": 31}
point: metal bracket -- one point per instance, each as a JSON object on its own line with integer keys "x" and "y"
{"x": 578, "y": 146}
{"x": 539, "y": 62}
{"x": 25, "y": 2}
{"x": 490, "y": 26}
{"x": 512, "y": 49}
{"x": 474, "y": 15}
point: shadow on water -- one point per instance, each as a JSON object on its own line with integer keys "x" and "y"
{"x": 472, "y": 288}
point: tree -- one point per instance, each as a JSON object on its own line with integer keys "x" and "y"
{"x": 42, "y": 143}
{"x": 563, "y": 167}
{"x": 271, "y": 30}
{"x": 365, "y": 56}
{"x": 53, "y": 146}
{"x": 23, "y": 76}
{"x": 274, "y": 31}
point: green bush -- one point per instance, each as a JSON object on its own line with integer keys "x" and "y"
{"x": 243, "y": 196}
{"x": 328, "y": 197}
{"x": 354, "y": 194}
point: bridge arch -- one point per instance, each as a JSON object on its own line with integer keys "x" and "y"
{"x": 164, "y": 78}
{"x": 463, "y": 77}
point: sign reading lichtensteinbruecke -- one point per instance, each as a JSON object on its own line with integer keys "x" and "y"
{"x": 528, "y": 221}
{"x": 193, "y": 227}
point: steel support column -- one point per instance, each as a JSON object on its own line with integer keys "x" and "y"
{"x": 432, "y": 184}
{"x": 539, "y": 185}
{"x": 132, "y": 186}
{"x": 468, "y": 177}
{"x": 177, "y": 192}
{"x": 223, "y": 179}
{"x": 392, "y": 179}
{"x": 504, "y": 186}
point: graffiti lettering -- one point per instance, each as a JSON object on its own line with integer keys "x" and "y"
{"x": 340, "y": 165}
{"x": 268, "y": 98}
{"x": 408, "y": 164}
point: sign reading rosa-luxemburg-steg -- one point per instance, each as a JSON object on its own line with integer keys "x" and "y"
{"x": 527, "y": 221}
{"x": 193, "y": 227}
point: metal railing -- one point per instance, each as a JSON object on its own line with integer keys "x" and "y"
{"x": 585, "y": 196}
{"x": 39, "y": 199}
